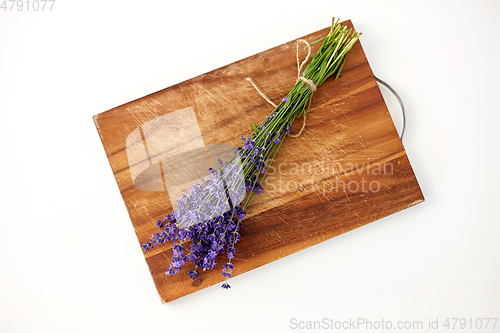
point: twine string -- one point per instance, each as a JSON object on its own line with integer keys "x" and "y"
{"x": 300, "y": 65}
{"x": 299, "y": 78}
{"x": 306, "y": 80}
{"x": 260, "y": 92}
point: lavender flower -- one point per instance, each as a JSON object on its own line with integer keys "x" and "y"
{"x": 208, "y": 220}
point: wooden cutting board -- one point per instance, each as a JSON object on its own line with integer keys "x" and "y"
{"x": 347, "y": 169}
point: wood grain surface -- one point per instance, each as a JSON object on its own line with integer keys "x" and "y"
{"x": 347, "y": 169}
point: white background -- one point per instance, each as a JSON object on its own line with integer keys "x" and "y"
{"x": 69, "y": 258}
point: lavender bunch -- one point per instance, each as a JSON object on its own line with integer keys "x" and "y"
{"x": 208, "y": 219}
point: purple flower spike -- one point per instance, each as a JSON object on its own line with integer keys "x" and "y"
{"x": 192, "y": 274}
{"x": 228, "y": 266}
{"x": 214, "y": 235}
